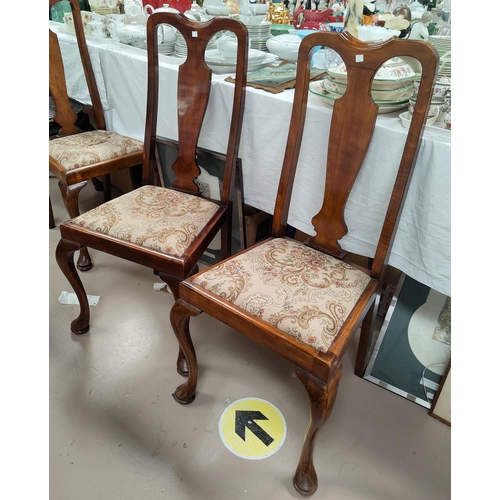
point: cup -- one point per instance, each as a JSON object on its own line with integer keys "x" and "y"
{"x": 336, "y": 27}
{"x": 68, "y": 22}
{"x": 95, "y": 17}
{"x": 97, "y": 29}
{"x": 111, "y": 21}
{"x": 86, "y": 16}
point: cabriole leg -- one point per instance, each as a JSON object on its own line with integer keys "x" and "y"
{"x": 180, "y": 314}
{"x": 173, "y": 284}
{"x": 321, "y": 399}
{"x": 70, "y": 197}
{"x": 65, "y": 258}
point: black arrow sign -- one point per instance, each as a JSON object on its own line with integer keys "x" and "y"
{"x": 245, "y": 418}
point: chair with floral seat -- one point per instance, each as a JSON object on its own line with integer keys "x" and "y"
{"x": 168, "y": 228}
{"x": 305, "y": 300}
{"x": 77, "y": 155}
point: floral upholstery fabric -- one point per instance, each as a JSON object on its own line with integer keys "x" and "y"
{"x": 79, "y": 150}
{"x": 301, "y": 291}
{"x": 158, "y": 218}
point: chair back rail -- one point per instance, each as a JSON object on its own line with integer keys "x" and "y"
{"x": 351, "y": 129}
{"x": 57, "y": 85}
{"x": 192, "y": 100}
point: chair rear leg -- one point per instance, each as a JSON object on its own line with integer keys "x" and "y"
{"x": 70, "y": 197}
{"x": 226, "y": 238}
{"x": 365, "y": 339}
{"x": 52, "y": 222}
{"x": 65, "y": 258}
{"x": 321, "y": 399}
{"x": 180, "y": 314}
{"x": 98, "y": 185}
{"x": 107, "y": 187}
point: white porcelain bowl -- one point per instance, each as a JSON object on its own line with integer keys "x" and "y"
{"x": 259, "y": 8}
{"x": 376, "y": 33}
{"x": 251, "y": 20}
{"x": 217, "y": 10}
{"x": 285, "y": 46}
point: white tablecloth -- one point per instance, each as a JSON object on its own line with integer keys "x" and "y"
{"x": 422, "y": 248}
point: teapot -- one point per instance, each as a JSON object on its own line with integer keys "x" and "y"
{"x": 304, "y": 19}
{"x": 177, "y": 6}
{"x": 149, "y": 9}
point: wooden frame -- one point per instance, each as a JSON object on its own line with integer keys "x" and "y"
{"x": 441, "y": 406}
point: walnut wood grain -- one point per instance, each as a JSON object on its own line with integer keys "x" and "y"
{"x": 351, "y": 129}
{"x": 194, "y": 84}
{"x": 66, "y": 118}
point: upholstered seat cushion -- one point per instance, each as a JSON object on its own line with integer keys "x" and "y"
{"x": 79, "y": 150}
{"x": 158, "y": 218}
{"x": 295, "y": 288}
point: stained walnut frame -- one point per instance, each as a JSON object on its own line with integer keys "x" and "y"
{"x": 72, "y": 181}
{"x": 351, "y": 130}
{"x": 193, "y": 93}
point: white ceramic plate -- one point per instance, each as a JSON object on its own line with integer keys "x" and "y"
{"x": 213, "y": 56}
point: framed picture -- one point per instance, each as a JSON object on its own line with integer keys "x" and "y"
{"x": 441, "y": 405}
{"x": 413, "y": 349}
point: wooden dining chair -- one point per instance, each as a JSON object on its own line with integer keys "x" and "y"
{"x": 167, "y": 228}
{"x": 304, "y": 300}
{"x": 77, "y": 155}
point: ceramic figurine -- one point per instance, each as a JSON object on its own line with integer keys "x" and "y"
{"x": 419, "y": 31}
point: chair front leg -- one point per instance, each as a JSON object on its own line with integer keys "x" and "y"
{"x": 321, "y": 400}
{"x": 180, "y": 314}
{"x": 65, "y": 258}
{"x": 70, "y": 197}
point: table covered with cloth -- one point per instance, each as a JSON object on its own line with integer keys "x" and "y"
{"x": 422, "y": 246}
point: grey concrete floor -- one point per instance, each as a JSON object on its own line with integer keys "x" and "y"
{"x": 117, "y": 433}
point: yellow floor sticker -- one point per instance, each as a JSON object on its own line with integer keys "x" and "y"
{"x": 252, "y": 428}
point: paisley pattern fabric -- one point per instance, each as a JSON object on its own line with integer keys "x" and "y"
{"x": 158, "y": 218}
{"x": 301, "y": 291}
{"x": 79, "y": 150}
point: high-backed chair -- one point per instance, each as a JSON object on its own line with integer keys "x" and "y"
{"x": 304, "y": 301}
{"x": 77, "y": 155}
{"x": 167, "y": 229}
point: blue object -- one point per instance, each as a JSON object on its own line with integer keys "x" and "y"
{"x": 303, "y": 34}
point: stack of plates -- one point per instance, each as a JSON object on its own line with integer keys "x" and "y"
{"x": 442, "y": 44}
{"x": 219, "y": 64}
{"x": 380, "y": 96}
{"x": 180, "y": 47}
{"x": 258, "y": 35}
{"x": 322, "y": 89}
{"x": 391, "y": 90}
{"x": 167, "y": 48}
{"x": 445, "y": 65}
